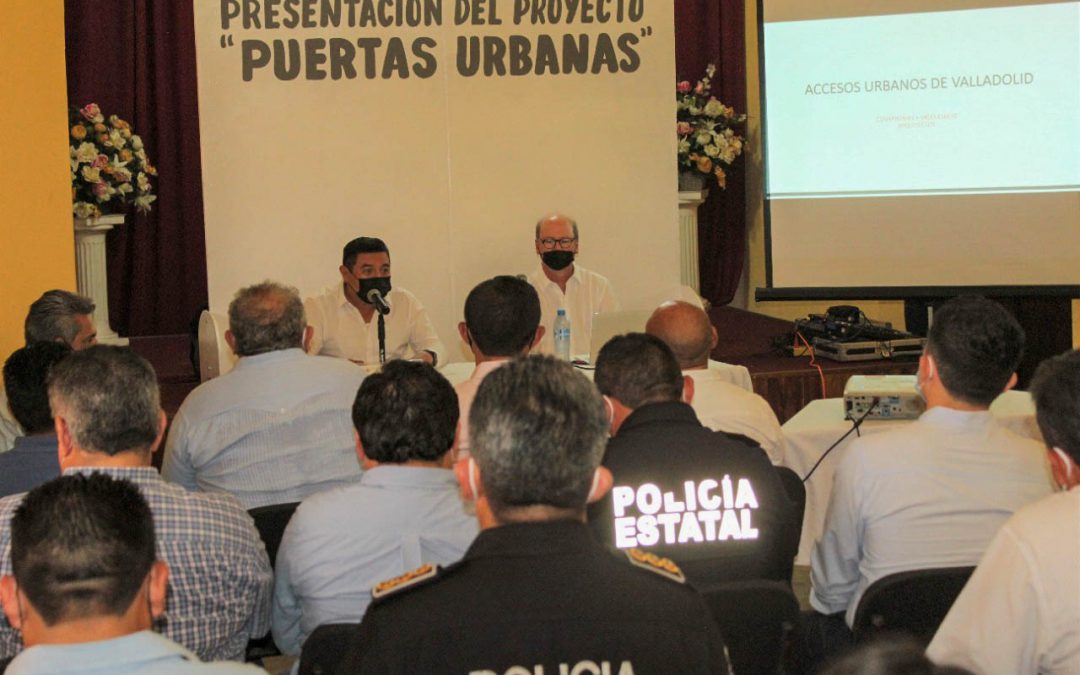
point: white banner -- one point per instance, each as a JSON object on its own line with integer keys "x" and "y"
{"x": 445, "y": 127}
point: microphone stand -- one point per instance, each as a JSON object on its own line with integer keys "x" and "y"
{"x": 382, "y": 338}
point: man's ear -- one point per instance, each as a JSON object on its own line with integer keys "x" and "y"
{"x": 1011, "y": 383}
{"x": 365, "y": 462}
{"x": 687, "y": 389}
{"x": 9, "y": 591}
{"x": 601, "y": 483}
{"x": 468, "y": 477}
{"x": 163, "y": 423}
{"x": 715, "y": 339}
{"x": 65, "y": 444}
{"x": 309, "y": 333}
{"x": 157, "y": 587}
{"x": 463, "y": 331}
{"x": 230, "y": 340}
{"x": 540, "y": 331}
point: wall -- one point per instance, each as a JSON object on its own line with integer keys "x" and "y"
{"x": 37, "y": 248}
{"x": 755, "y": 270}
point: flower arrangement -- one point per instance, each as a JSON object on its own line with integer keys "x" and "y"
{"x": 705, "y": 127}
{"x": 109, "y": 167}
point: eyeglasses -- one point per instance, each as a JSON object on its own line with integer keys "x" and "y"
{"x": 565, "y": 242}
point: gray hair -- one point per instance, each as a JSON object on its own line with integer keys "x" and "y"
{"x": 573, "y": 223}
{"x": 266, "y": 317}
{"x": 538, "y": 433}
{"x": 52, "y": 316}
{"x": 108, "y": 396}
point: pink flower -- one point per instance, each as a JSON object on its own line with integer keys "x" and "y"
{"x": 683, "y": 87}
{"x": 683, "y": 128}
{"x": 100, "y": 189}
{"x": 700, "y": 88}
{"x": 91, "y": 111}
{"x": 100, "y": 162}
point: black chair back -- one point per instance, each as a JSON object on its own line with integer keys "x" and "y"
{"x": 270, "y": 521}
{"x": 326, "y": 647}
{"x": 759, "y": 621}
{"x": 913, "y": 602}
{"x": 796, "y": 494}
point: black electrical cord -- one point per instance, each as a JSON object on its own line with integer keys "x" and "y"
{"x": 854, "y": 427}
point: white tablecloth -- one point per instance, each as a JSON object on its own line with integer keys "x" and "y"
{"x": 737, "y": 375}
{"x": 817, "y": 426}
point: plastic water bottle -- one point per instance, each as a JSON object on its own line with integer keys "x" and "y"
{"x": 562, "y": 335}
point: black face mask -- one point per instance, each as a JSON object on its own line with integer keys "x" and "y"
{"x": 558, "y": 260}
{"x": 382, "y": 284}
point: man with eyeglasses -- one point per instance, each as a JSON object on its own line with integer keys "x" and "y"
{"x": 563, "y": 285}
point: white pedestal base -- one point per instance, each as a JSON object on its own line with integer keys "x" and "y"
{"x": 689, "y": 201}
{"x": 90, "y": 268}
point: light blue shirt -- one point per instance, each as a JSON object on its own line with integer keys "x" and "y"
{"x": 274, "y": 429}
{"x": 142, "y": 652}
{"x": 340, "y": 543}
{"x": 929, "y": 494}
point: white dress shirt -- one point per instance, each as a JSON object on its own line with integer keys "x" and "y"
{"x": 587, "y": 293}
{"x": 273, "y": 430}
{"x": 724, "y": 406}
{"x": 340, "y": 543}
{"x": 930, "y": 494}
{"x": 340, "y": 330}
{"x": 466, "y": 392}
{"x": 1020, "y": 612}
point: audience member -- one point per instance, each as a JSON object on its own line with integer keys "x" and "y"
{"x": 343, "y": 315}
{"x": 32, "y": 460}
{"x": 57, "y": 316}
{"x": 931, "y": 493}
{"x": 1020, "y": 612}
{"x": 108, "y": 420}
{"x": 710, "y": 501}
{"x": 534, "y": 590}
{"x": 502, "y": 320}
{"x": 403, "y": 513}
{"x": 719, "y": 404}
{"x": 275, "y": 428}
{"x": 86, "y": 585}
{"x": 563, "y": 284}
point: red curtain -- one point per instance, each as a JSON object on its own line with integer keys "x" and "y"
{"x": 712, "y": 31}
{"x": 136, "y": 59}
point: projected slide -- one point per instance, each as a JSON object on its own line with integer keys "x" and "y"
{"x": 971, "y": 101}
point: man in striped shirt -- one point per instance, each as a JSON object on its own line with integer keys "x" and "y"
{"x": 108, "y": 418}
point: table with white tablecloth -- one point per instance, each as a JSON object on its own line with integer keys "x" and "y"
{"x": 737, "y": 375}
{"x": 809, "y": 434}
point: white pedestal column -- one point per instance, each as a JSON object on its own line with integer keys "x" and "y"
{"x": 90, "y": 269}
{"x": 689, "y": 201}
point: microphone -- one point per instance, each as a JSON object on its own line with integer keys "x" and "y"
{"x": 374, "y": 297}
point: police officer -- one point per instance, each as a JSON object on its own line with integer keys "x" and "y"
{"x": 535, "y": 593}
{"x": 710, "y": 501}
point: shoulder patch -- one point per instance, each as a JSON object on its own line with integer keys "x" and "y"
{"x": 407, "y": 580}
{"x": 654, "y": 563}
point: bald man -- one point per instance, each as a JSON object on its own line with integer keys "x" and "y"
{"x": 719, "y": 404}
{"x": 561, "y": 284}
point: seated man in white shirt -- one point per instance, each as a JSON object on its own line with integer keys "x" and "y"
{"x": 57, "y": 316}
{"x": 87, "y": 585}
{"x": 1020, "y": 611}
{"x": 404, "y": 512}
{"x": 344, "y": 317}
{"x": 719, "y": 404}
{"x": 275, "y": 428}
{"x": 502, "y": 320}
{"x": 562, "y": 284}
{"x": 932, "y": 493}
